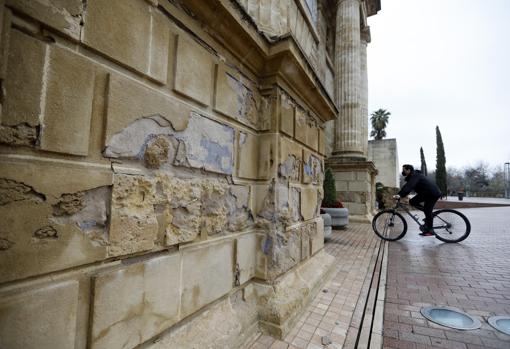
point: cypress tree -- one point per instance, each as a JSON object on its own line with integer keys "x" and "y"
{"x": 440, "y": 163}
{"x": 423, "y": 163}
{"x": 329, "y": 189}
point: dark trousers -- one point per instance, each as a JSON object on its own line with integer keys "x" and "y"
{"x": 427, "y": 207}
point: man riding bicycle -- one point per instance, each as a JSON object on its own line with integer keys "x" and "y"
{"x": 426, "y": 192}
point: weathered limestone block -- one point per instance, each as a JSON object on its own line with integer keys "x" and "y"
{"x": 255, "y": 158}
{"x": 229, "y": 324}
{"x": 135, "y": 303}
{"x": 23, "y": 84}
{"x": 193, "y": 71}
{"x": 309, "y": 202}
{"x": 246, "y": 257}
{"x": 209, "y": 274}
{"x": 240, "y": 215}
{"x": 315, "y": 232}
{"x": 193, "y": 140}
{"x": 281, "y": 302}
{"x": 214, "y": 208}
{"x": 129, "y": 101}
{"x": 131, "y": 32}
{"x": 313, "y": 171}
{"x": 291, "y": 158}
{"x": 238, "y": 98}
{"x": 133, "y": 226}
{"x": 42, "y": 318}
{"x": 64, "y": 16}
{"x": 322, "y": 142}
{"x": 63, "y": 221}
{"x": 68, "y": 105}
{"x": 179, "y": 203}
{"x": 295, "y": 204}
{"x": 301, "y": 125}
{"x": 285, "y": 251}
{"x": 287, "y": 110}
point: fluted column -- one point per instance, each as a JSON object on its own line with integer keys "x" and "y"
{"x": 348, "y": 126}
{"x": 365, "y": 39}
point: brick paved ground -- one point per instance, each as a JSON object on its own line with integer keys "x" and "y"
{"x": 332, "y": 313}
{"x": 473, "y": 276}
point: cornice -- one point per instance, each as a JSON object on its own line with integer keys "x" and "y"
{"x": 270, "y": 61}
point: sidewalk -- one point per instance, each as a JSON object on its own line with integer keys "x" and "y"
{"x": 473, "y": 276}
{"x": 336, "y": 313}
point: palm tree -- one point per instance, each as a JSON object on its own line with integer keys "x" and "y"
{"x": 379, "y": 120}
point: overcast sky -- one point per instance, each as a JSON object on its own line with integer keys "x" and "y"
{"x": 445, "y": 63}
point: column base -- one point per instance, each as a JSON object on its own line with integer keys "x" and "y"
{"x": 355, "y": 186}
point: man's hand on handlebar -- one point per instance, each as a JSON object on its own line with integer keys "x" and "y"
{"x": 396, "y": 197}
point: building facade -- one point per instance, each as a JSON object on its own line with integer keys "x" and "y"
{"x": 161, "y": 165}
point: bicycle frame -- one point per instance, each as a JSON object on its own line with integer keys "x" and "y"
{"x": 406, "y": 210}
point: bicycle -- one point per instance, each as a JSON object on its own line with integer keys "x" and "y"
{"x": 449, "y": 225}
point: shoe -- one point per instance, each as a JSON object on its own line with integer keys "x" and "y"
{"x": 428, "y": 233}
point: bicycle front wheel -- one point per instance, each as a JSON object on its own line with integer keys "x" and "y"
{"x": 389, "y": 225}
{"x": 450, "y": 225}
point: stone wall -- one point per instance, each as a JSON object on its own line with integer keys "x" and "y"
{"x": 154, "y": 186}
{"x": 384, "y": 154}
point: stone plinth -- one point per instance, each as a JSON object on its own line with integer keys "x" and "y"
{"x": 355, "y": 186}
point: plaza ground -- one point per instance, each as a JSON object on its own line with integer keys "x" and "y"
{"x": 473, "y": 276}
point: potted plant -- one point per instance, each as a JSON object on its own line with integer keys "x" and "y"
{"x": 331, "y": 205}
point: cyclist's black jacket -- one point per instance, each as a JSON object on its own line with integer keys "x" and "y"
{"x": 421, "y": 185}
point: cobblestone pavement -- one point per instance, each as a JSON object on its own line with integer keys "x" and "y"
{"x": 473, "y": 276}
{"x": 333, "y": 310}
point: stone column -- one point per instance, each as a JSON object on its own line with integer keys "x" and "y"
{"x": 348, "y": 127}
{"x": 365, "y": 39}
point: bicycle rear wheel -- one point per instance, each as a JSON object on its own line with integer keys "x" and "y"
{"x": 450, "y": 225}
{"x": 389, "y": 225}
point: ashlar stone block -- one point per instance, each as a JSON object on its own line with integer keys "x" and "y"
{"x": 255, "y": 159}
{"x": 134, "y": 225}
{"x": 193, "y": 71}
{"x": 208, "y": 274}
{"x": 64, "y": 16}
{"x": 130, "y": 32}
{"x": 309, "y": 202}
{"x": 53, "y": 233}
{"x": 313, "y": 170}
{"x": 287, "y": 110}
{"x": 246, "y": 256}
{"x": 68, "y": 105}
{"x": 291, "y": 159}
{"x": 135, "y": 303}
{"x": 23, "y": 85}
{"x": 42, "y": 318}
{"x": 322, "y": 141}
{"x": 301, "y": 125}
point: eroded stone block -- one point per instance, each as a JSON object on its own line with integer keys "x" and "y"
{"x": 248, "y": 156}
{"x": 301, "y": 125}
{"x": 135, "y": 303}
{"x": 193, "y": 71}
{"x": 313, "y": 171}
{"x": 65, "y": 210}
{"x": 68, "y": 105}
{"x": 322, "y": 141}
{"x": 290, "y": 161}
{"x": 316, "y": 233}
{"x": 42, "y": 318}
{"x": 64, "y": 16}
{"x": 133, "y": 226}
{"x": 238, "y": 98}
{"x": 209, "y": 274}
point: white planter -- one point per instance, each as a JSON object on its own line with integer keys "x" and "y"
{"x": 339, "y": 216}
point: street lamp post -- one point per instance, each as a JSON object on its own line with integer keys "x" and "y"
{"x": 507, "y": 180}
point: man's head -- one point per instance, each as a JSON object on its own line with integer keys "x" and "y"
{"x": 407, "y": 170}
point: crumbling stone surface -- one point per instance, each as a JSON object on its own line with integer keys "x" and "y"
{"x": 69, "y": 204}
{"x": 11, "y": 191}
{"x": 47, "y": 232}
{"x": 5, "y": 244}
{"x": 312, "y": 169}
{"x": 295, "y": 204}
{"x": 18, "y": 135}
{"x": 289, "y": 169}
{"x": 156, "y": 152}
{"x": 133, "y": 226}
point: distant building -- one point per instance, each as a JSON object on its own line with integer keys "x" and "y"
{"x": 384, "y": 154}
